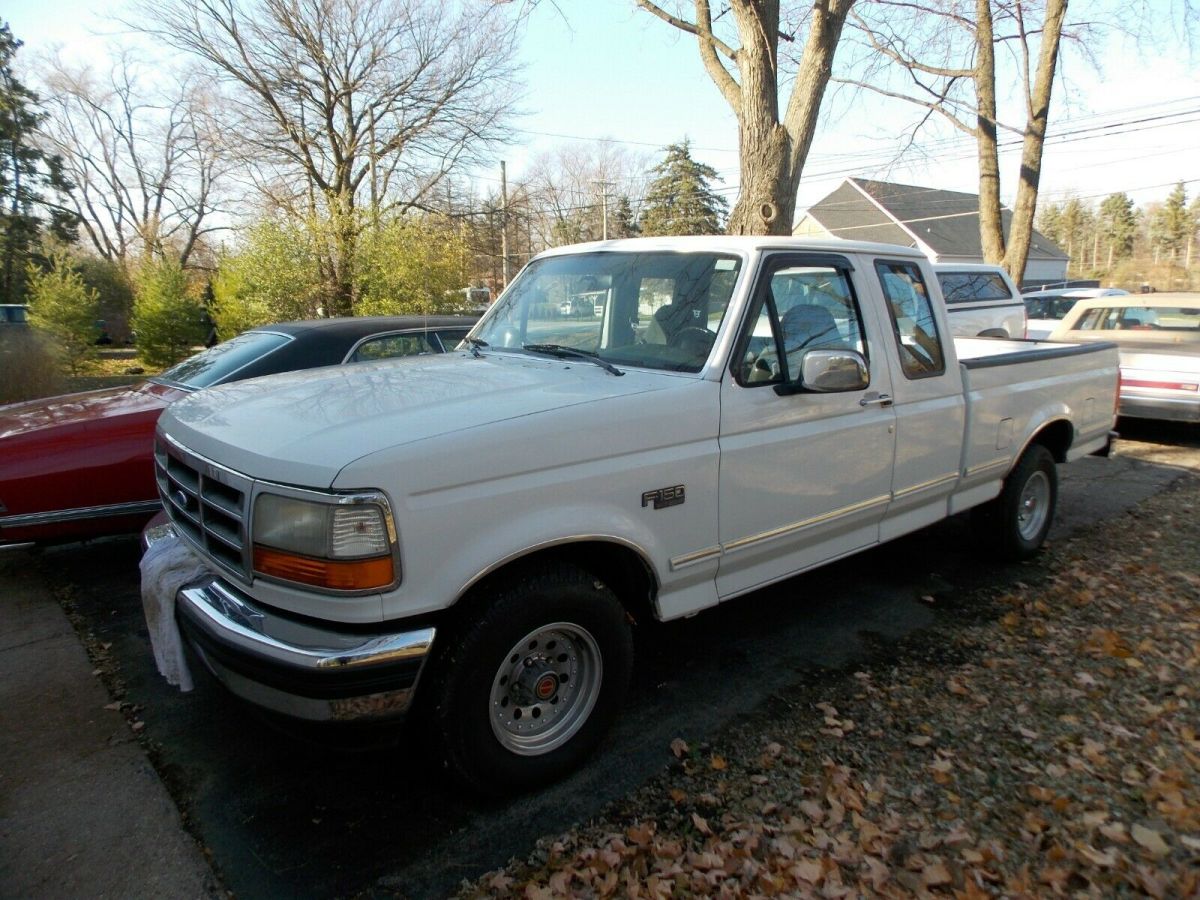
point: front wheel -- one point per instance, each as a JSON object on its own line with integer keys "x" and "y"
{"x": 1016, "y": 523}
{"x": 526, "y": 689}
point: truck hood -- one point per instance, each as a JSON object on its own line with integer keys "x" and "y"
{"x": 302, "y": 428}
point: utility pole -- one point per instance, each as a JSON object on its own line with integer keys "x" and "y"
{"x": 604, "y": 209}
{"x": 504, "y": 219}
{"x": 374, "y": 181}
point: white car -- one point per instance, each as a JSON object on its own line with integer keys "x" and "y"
{"x": 981, "y": 301}
{"x": 1047, "y": 308}
{"x": 1158, "y": 336}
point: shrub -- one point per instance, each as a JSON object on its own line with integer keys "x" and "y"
{"x": 29, "y": 363}
{"x": 167, "y": 317}
{"x": 273, "y": 278}
{"x": 409, "y": 265}
{"x": 64, "y": 308}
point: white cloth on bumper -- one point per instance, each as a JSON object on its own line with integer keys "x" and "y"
{"x": 168, "y": 566}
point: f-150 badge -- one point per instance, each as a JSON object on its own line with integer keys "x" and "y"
{"x": 664, "y": 497}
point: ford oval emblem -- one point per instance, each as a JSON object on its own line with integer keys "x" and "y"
{"x": 181, "y": 499}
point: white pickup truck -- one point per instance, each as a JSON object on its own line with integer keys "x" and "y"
{"x": 474, "y": 535}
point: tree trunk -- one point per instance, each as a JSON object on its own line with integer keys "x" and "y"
{"x": 345, "y": 244}
{"x": 773, "y": 152}
{"x": 991, "y": 223}
{"x": 762, "y": 140}
{"x": 1021, "y": 232}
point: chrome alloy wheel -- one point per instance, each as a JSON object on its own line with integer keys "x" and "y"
{"x": 545, "y": 688}
{"x": 1034, "y": 506}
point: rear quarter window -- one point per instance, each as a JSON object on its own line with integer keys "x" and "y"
{"x": 973, "y": 287}
{"x": 913, "y": 322}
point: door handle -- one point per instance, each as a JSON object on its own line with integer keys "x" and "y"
{"x": 874, "y": 398}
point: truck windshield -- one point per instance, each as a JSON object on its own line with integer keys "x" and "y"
{"x": 655, "y": 310}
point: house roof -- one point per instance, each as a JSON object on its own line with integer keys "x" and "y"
{"x": 945, "y": 221}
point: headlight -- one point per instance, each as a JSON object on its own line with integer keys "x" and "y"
{"x": 344, "y": 544}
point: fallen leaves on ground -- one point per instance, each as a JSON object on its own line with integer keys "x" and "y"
{"x": 1058, "y": 755}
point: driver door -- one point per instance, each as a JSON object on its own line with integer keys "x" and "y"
{"x": 804, "y": 476}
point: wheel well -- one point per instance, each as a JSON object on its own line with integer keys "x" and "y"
{"x": 1056, "y": 437}
{"x": 993, "y": 333}
{"x": 621, "y": 568}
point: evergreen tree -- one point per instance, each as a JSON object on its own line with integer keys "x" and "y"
{"x": 169, "y": 320}
{"x": 680, "y": 199}
{"x": 1050, "y": 222}
{"x": 28, "y": 177}
{"x": 1076, "y": 229}
{"x": 64, "y": 307}
{"x": 624, "y": 223}
{"x": 1118, "y": 225}
{"x": 1171, "y": 225}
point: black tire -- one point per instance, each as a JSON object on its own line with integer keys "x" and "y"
{"x": 1015, "y": 524}
{"x": 560, "y": 608}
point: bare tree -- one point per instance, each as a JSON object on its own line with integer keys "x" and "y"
{"x": 944, "y": 53}
{"x": 573, "y": 190}
{"x": 772, "y": 149}
{"x": 345, "y": 107}
{"x": 142, "y": 159}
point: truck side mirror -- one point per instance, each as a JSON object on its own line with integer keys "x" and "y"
{"x": 828, "y": 372}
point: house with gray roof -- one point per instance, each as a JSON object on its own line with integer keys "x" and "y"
{"x": 944, "y": 225}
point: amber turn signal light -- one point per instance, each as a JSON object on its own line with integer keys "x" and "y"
{"x": 338, "y": 575}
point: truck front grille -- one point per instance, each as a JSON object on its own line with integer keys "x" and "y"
{"x": 207, "y": 503}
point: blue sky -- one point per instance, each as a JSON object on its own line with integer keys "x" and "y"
{"x": 604, "y": 69}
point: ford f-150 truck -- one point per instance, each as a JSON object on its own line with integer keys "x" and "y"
{"x": 474, "y": 535}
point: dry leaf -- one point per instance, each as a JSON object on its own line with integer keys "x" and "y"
{"x": 718, "y": 762}
{"x": 812, "y": 809}
{"x": 935, "y": 874}
{"x": 679, "y": 748}
{"x": 1105, "y": 859}
{"x": 500, "y": 882}
{"x": 920, "y": 740}
{"x": 641, "y": 835}
{"x": 701, "y": 824}
{"x": 809, "y": 870}
{"x": 1150, "y": 840}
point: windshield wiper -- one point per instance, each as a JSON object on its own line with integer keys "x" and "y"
{"x": 564, "y": 352}
{"x": 476, "y": 343}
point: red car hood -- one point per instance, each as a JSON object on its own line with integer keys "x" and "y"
{"x": 81, "y": 408}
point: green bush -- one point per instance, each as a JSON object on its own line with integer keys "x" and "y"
{"x": 407, "y": 266}
{"x": 275, "y": 277}
{"x": 65, "y": 309}
{"x": 167, "y": 317}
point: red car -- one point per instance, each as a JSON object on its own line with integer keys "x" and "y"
{"x": 82, "y": 465}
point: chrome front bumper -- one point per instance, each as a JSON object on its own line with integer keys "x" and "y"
{"x": 296, "y": 667}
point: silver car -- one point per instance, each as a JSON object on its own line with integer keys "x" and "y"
{"x": 1158, "y": 336}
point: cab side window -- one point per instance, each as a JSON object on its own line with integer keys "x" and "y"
{"x": 911, "y": 310}
{"x": 798, "y": 308}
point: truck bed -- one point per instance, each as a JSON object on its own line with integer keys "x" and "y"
{"x": 1014, "y": 386}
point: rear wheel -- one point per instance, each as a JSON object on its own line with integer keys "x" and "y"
{"x": 525, "y": 690}
{"x": 1015, "y": 524}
